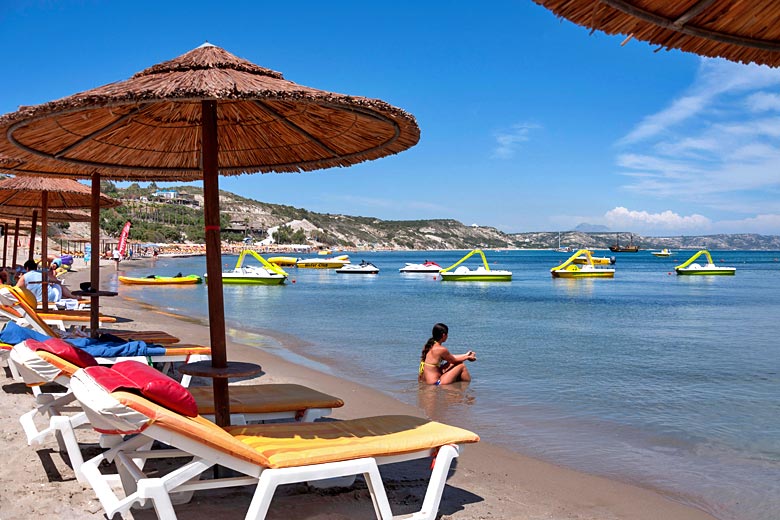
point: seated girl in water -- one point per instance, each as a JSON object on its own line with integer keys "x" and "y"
{"x": 437, "y": 365}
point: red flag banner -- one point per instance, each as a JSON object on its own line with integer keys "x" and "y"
{"x": 123, "y": 239}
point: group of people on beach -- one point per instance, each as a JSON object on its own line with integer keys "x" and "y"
{"x": 32, "y": 279}
{"x": 437, "y": 365}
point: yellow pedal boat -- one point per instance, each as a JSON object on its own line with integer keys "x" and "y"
{"x": 569, "y": 269}
{"x": 267, "y": 274}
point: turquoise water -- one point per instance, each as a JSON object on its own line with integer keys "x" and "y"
{"x": 665, "y": 381}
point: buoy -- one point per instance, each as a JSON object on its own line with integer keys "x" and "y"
{"x": 669, "y": 273}
{"x": 293, "y": 281}
{"x": 434, "y": 277}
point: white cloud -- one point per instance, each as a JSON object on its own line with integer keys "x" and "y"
{"x": 656, "y": 223}
{"x": 509, "y": 140}
{"x": 715, "y": 79}
{"x": 717, "y": 146}
{"x": 763, "y": 102}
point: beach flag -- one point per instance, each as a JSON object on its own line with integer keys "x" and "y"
{"x": 123, "y": 239}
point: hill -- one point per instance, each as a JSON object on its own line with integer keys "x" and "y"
{"x": 175, "y": 215}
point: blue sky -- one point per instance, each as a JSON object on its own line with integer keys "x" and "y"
{"x": 528, "y": 123}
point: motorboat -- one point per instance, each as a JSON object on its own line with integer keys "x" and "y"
{"x": 690, "y": 267}
{"x": 284, "y": 260}
{"x": 662, "y": 252}
{"x": 569, "y": 269}
{"x": 324, "y": 263}
{"x": 153, "y": 279}
{"x": 425, "y": 267}
{"x": 362, "y": 268}
{"x": 597, "y": 260}
{"x": 265, "y": 274}
{"x": 483, "y": 273}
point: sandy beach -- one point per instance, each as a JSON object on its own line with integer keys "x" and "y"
{"x": 487, "y": 482}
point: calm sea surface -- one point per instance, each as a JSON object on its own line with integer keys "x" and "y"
{"x": 666, "y": 381}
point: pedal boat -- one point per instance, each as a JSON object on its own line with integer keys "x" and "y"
{"x": 189, "y": 279}
{"x": 268, "y": 274}
{"x": 569, "y": 269}
{"x": 324, "y": 263}
{"x": 597, "y": 260}
{"x": 361, "y": 268}
{"x": 689, "y": 267}
{"x": 427, "y": 267}
{"x": 482, "y": 273}
{"x": 662, "y": 252}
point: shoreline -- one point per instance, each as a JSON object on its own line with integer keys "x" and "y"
{"x": 488, "y": 481}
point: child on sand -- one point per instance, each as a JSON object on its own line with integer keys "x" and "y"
{"x": 437, "y": 365}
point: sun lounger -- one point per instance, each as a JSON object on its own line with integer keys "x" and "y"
{"x": 15, "y": 299}
{"x": 63, "y": 320}
{"x": 267, "y": 455}
{"x": 55, "y": 361}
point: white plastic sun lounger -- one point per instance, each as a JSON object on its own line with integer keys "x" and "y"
{"x": 56, "y": 361}
{"x": 266, "y": 455}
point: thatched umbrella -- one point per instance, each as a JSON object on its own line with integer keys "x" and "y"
{"x": 204, "y": 113}
{"x": 14, "y": 216}
{"x": 26, "y": 193}
{"x": 738, "y": 30}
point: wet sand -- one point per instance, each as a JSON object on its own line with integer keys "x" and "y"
{"x": 487, "y": 482}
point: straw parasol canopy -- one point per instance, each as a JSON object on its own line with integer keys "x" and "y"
{"x": 149, "y": 127}
{"x": 737, "y": 30}
{"x": 202, "y": 114}
{"x": 24, "y": 195}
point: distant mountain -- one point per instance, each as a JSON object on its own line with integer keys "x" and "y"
{"x": 246, "y": 217}
{"x": 591, "y": 228}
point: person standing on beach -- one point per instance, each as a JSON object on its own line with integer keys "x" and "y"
{"x": 115, "y": 256}
{"x": 437, "y": 365}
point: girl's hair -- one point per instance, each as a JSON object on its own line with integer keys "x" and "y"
{"x": 439, "y": 330}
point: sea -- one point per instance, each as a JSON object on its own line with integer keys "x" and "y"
{"x": 664, "y": 381}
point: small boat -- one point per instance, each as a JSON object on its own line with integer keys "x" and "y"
{"x": 597, "y": 260}
{"x": 284, "y": 260}
{"x": 154, "y": 279}
{"x": 482, "y": 273}
{"x": 268, "y": 274}
{"x": 565, "y": 249}
{"x": 324, "y": 263}
{"x": 426, "y": 267}
{"x": 689, "y": 267}
{"x": 362, "y": 268}
{"x": 630, "y": 248}
{"x": 662, "y": 252}
{"x": 569, "y": 269}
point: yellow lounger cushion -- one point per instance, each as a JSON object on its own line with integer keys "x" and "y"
{"x": 80, "y": 317}
{"x": 265, "y": 398}
{"x": 297, "y": 444}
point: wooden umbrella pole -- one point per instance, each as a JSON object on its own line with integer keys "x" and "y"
{"x": 94, "y": 262}
{"x": 5, "y": 245}
{"x": 16, "y": 244}
{"x": 210, "y": 149}
{"x": 33, "y": 229}
{"x": 45, "y": 250}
